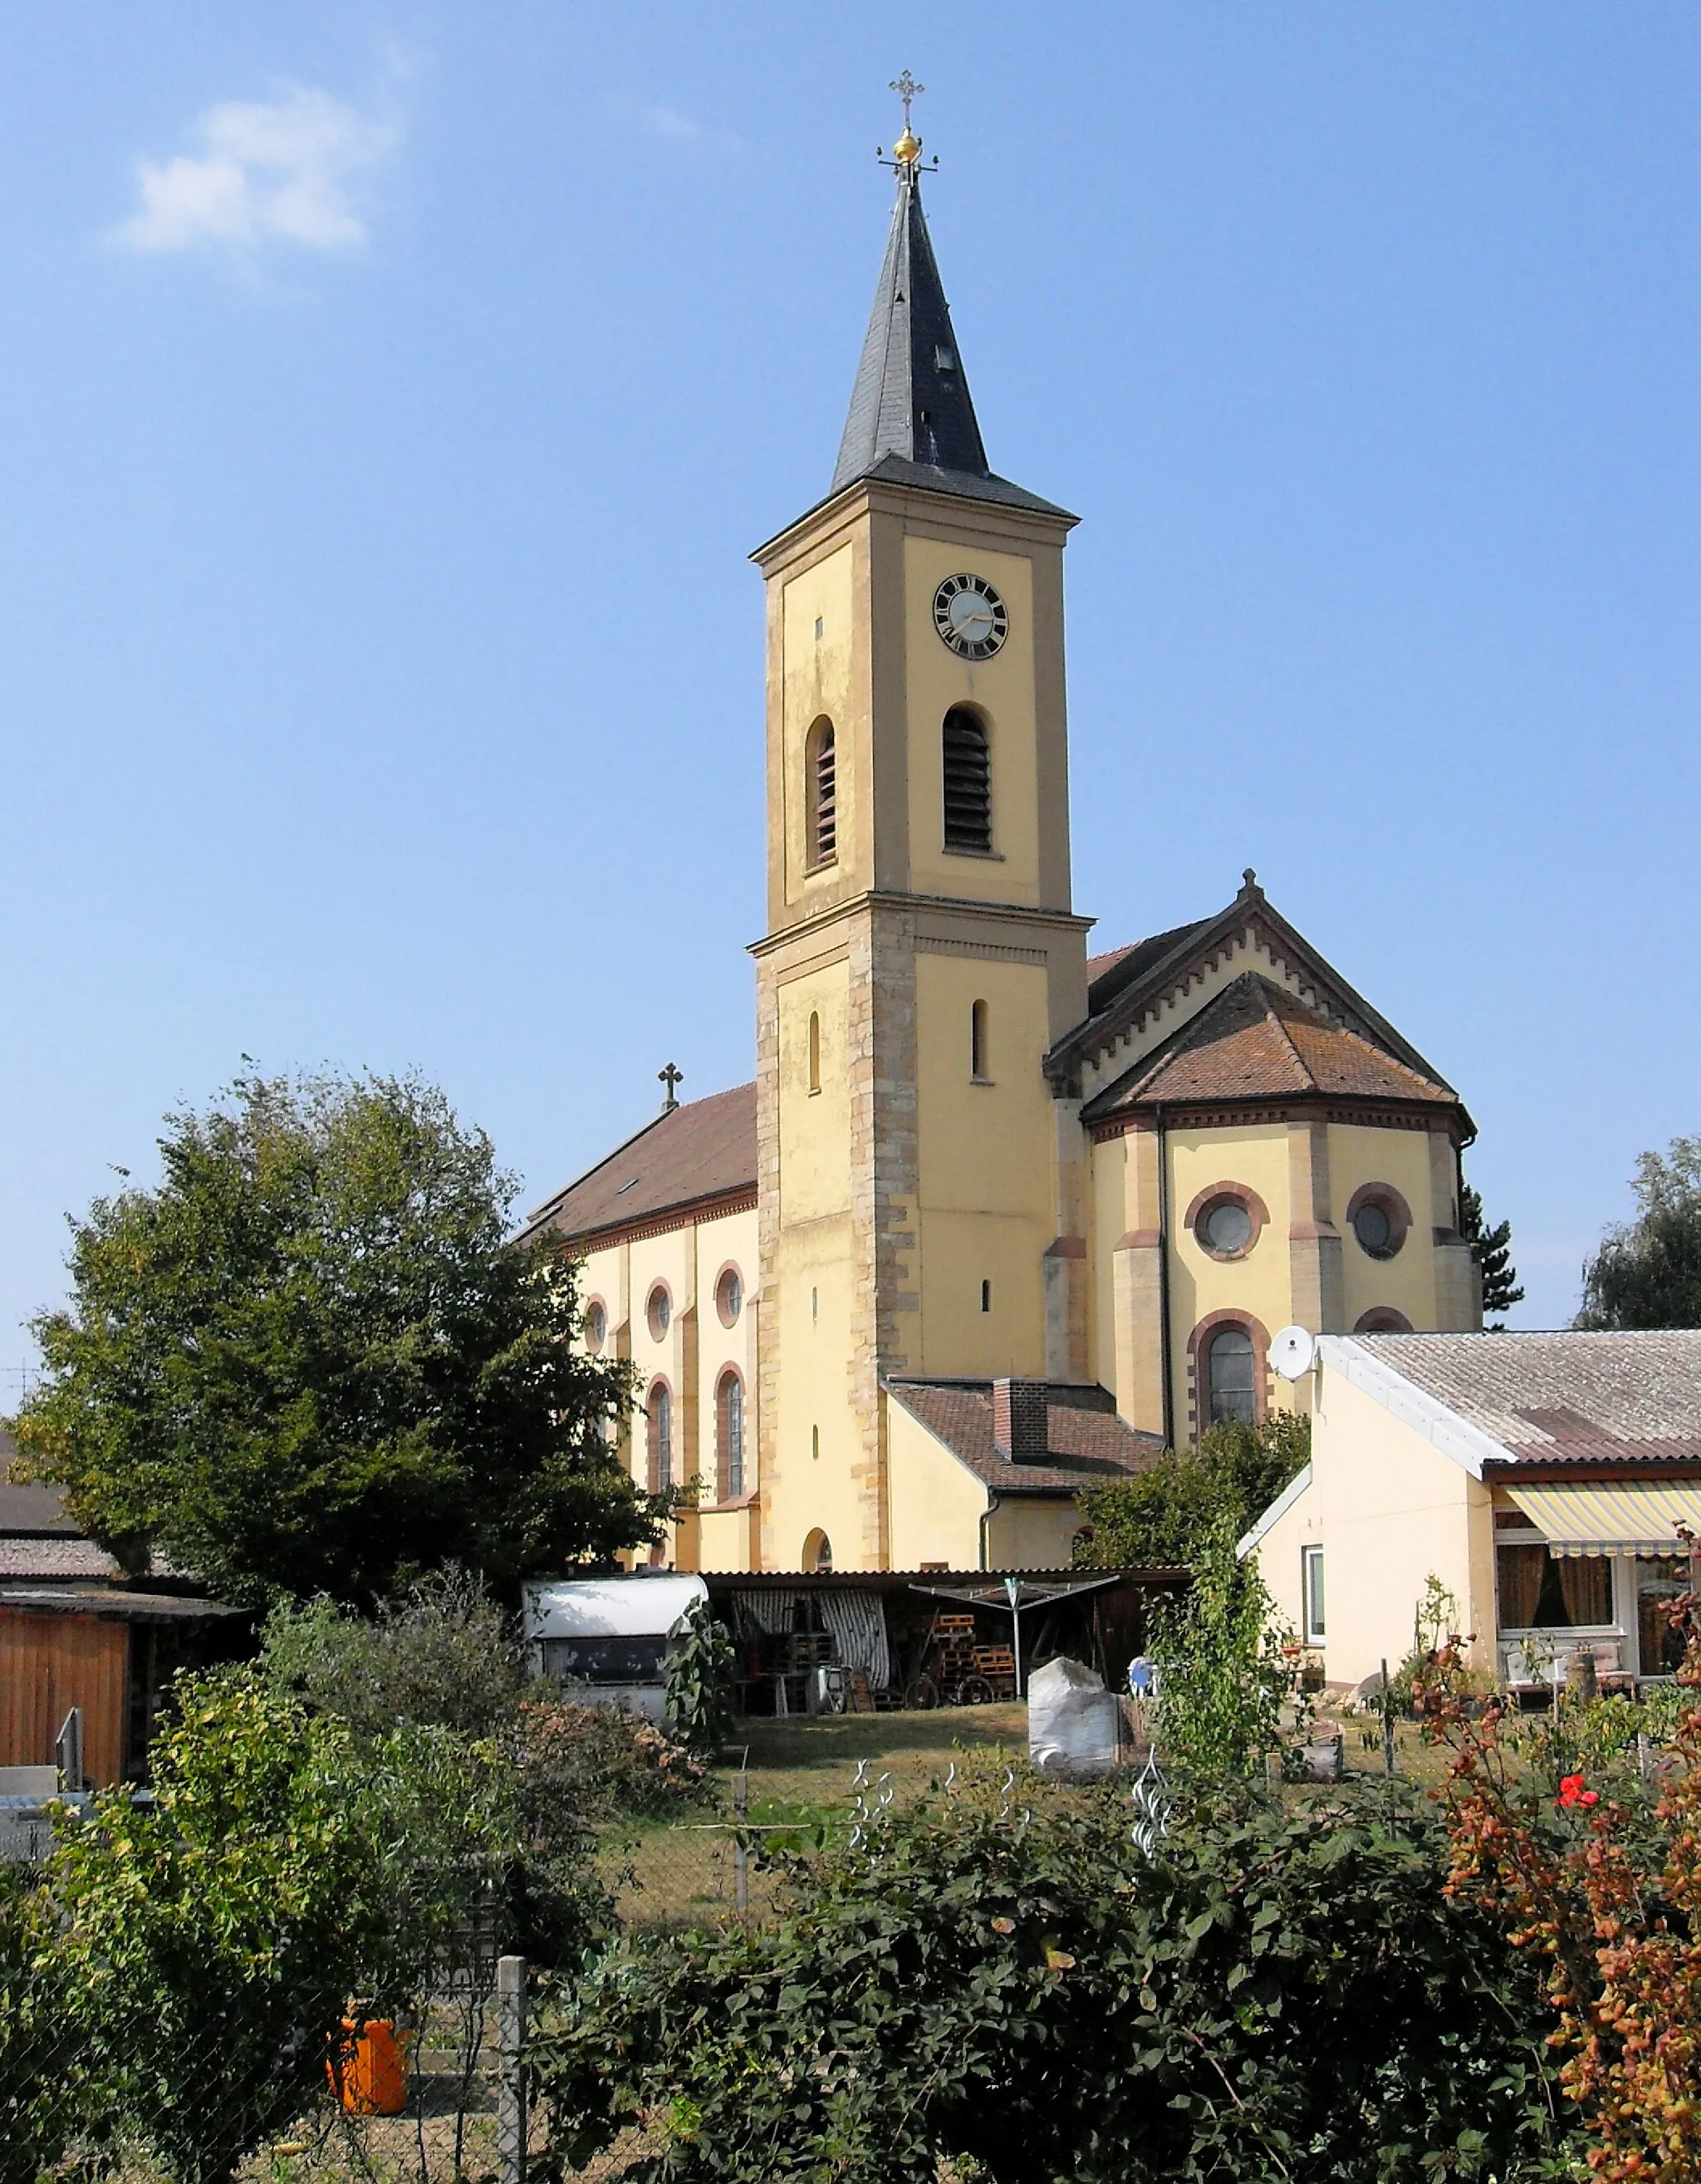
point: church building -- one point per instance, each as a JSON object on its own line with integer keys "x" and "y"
{"x": 996, "y": 1217}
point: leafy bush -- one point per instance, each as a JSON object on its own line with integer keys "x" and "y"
{"x": 1164, "y": 1516}
{"x": 442, "y": 1656}
{"x": 700, "y": 1665}
{"x": 1277, "y": 1994}
{"x": 1228, "y": 1670}
{"x": 201, "y": 1950}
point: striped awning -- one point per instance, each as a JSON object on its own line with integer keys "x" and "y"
{"x": 1640, "y": 1517}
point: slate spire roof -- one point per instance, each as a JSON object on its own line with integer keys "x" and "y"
{"x": 912, "y": 419}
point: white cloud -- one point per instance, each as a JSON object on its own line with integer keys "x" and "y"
{"x": 293, "y": 171}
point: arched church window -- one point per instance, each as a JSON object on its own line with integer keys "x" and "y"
{"x": 821, "y": 763}
{"x": 658, "y": 1435}
{"x": 818, "y": 1551}
{"x": 1231, "y": 1365}
{"x": 968, "y": 767}
{"x": 729, "y": 1436}
{"x": 977, "y": 1042}
{"x": 814, "y": 1050}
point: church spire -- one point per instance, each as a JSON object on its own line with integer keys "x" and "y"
{"x": 911, "y": 399}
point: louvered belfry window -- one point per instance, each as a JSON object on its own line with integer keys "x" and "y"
{"x": 968, "y": 781}
{"x": 824, "y": 795}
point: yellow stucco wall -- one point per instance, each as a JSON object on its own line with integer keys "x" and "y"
{"x": 1388, "y": 1508}
{"x": 697, "y": 1349}
{"x": 984, "y": 1152}
{"x": 1358, "y": 1156}
{"x": 816, "y": 682}
{"x": 937, "y": 1502}
{"x": 1002, "y": 688}
{"x": 1033, "y": 1534}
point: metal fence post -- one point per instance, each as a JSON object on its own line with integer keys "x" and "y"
{"x": 1387, "y": 1724}
{"x": 740, "y": 1852}
{"x": 510, "y": 2110}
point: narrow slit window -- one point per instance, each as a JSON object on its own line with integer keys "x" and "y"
{"x": 824, "y": 798}
{"x": 986, "y": 1296}
{"x": 968, "y": 781}
{"x": 659, "y": 1437}
{"x": 814, "y": 1050}
{"x": 731, "y": 1422}
{"x": 977, "y": 1042}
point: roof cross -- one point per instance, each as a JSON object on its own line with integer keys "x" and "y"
{"x": 672, "y": 1078}
{"x": 907, "y": 88}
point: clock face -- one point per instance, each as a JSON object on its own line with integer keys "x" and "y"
{"x": 971, "y": 618}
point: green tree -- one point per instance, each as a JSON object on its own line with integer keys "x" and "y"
{"x": 310, "y": 1360}
{"x": 1648, "y": 1273}
{"x": 1164, "y": 1516}
{"x": 1492, "y": 1249}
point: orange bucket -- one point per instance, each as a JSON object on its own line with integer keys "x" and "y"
{"x": 367, "y": 2067}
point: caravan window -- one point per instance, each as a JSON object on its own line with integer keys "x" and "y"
{"x": 606, "y": 1660}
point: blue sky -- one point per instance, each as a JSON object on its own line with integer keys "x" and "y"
{"x": 390, "y": 396}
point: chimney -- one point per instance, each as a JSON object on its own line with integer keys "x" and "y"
{"x": 1021, "y": 1424}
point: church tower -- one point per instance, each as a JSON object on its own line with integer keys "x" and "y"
{"x": 921, "y": 1188}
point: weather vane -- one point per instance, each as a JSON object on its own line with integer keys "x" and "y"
{"x": 906, "y": 152}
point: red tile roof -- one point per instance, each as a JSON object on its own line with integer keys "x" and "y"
{"x": 682, "y": 1163}
{"x": 1257, "y": 1041}
{"x": 1087, "y": 1439}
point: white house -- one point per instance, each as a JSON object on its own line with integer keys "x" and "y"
{"x": 1546, "y": 1480}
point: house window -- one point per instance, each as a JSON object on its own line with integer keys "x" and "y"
{"x": 1230, "y": 1365}
{"x": 1311, "y": 1592}
{"x": 1659, "y": 1580}
{"x": 729, "y": 1434}
{"x": 814, "y": 1050}
{"x": 1544, "y": 1591}
{"x": 658, "y": 1424}
{"x": 977, "y": 1042}
{"x": 968, "y": 781}
{"x": 659, "y": 1313}
{"x": 821, "y": 761}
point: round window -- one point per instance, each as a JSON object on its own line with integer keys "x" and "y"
{"x": 658, "y": 1311}
{"x": 596, "y": 1326}
{"x": 1227, "y": 1227}
{"x": 729, "y": 1297}
{"x": 1373, "y": 1227}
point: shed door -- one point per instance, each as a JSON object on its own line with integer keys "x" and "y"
{"x": 49, "y": 1664}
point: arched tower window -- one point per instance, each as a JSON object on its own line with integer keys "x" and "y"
{"x": 1230, "y": 1385}
{"x": 729, "y": 1436}
{"x": 968, "y": 780}
{"x": 977, "y": 1042}
{"x": 821, "y": 760}
{"x": 658, "y": 1425}
{"x": 814, "y": 1050}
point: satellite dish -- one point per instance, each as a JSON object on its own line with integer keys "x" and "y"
{"x": 1293, "y": 1352}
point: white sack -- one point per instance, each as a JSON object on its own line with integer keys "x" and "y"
{"x": 1072, "y": 1722}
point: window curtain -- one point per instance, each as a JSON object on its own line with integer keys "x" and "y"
{"x": 1540, "y": 1592}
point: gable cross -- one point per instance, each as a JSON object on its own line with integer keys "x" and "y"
{"x": 672, "y": 1078}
